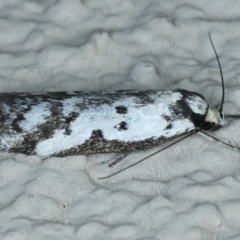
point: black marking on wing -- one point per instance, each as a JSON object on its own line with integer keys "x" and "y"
{"x": 97, "y": 144}
{"x": 183, "y": 110}
{"x": 144, "y": 99}
{"x": 169, "y": 126}
{"x": 95, "y": 141}
{"x": 121, "y": 109}
{"x": 121, "y": 126}
{"x": 15, "y": 126}
{"x": 167, "y": 118}
{"x": 97, "y": 134}
{"x": 68, "y": 120}
{"x": 68, "y": 131}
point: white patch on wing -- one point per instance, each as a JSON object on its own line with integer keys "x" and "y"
{"x": 144, "y": 121}
{"x": 35, "y": 116}
{"x": 197, "y": 105}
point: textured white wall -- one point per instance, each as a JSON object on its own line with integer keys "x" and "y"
{"x": 191, "y": 191}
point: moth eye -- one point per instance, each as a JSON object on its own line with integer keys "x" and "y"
{"x": 200, "y": 107}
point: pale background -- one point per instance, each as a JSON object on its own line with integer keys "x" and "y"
{"x": 190, "y": 191}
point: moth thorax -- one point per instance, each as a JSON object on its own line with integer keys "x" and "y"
{"x": 213, "y": 116}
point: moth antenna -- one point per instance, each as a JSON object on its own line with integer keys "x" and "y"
{"x": 118, "y": 159}
{"x": 220, "y": 68}
{"x": 150, "y": 155}
{"x": 232, "y": 115}
{"x": 217, "y": 140}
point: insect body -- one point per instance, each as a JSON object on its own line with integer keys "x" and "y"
{"x": 73, "y": 123}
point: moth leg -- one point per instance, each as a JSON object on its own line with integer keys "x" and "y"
{"x": 119, "y": 159}
{"x": 143, "y": 159}
{"x": 218, "y": 140}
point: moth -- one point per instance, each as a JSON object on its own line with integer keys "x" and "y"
{"x": 73, "y": 123}
{"x": 80, "y": 123}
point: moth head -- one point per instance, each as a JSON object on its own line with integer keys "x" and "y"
{"x": 213, "y": 120}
